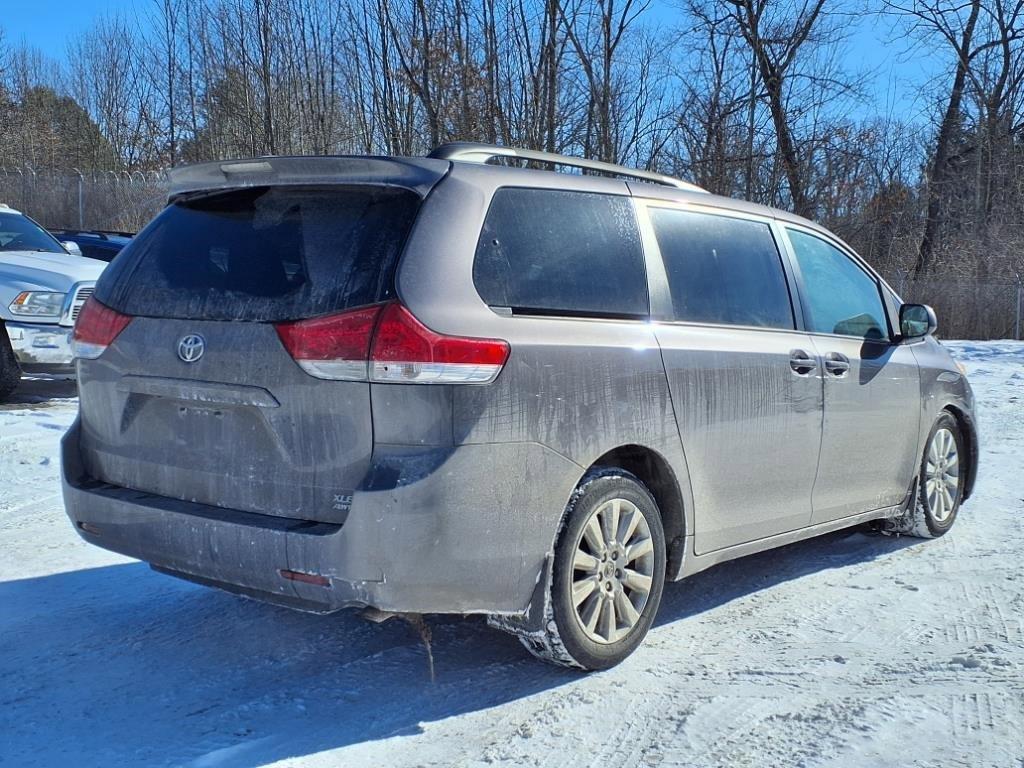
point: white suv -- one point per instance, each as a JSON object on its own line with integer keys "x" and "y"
{"x": 42, "y": 289}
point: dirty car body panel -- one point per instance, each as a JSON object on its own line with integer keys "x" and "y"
{"x": 241, "y": 469}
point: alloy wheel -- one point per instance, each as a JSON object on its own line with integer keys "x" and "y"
{"x": 942, "y": 475}
{"x": 612, "y": 571}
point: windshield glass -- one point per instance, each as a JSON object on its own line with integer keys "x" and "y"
{"x": 20, "y": 233}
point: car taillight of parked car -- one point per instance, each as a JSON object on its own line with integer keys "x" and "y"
{"x": 96, "y": 328}
{"x": 386, "y": 343}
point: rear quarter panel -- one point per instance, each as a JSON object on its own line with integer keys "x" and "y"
{"x": 576, "y": 388}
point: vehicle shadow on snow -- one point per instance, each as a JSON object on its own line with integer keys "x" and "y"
{"x": 120, "y": 665}
{"x": 36, "y": 392}
{"x": 716, "y": 586}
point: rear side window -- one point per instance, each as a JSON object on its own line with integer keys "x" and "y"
{"x": 263, "y": 254}
{"x": 722, "y": 270}
{"x": 561, "y": 253}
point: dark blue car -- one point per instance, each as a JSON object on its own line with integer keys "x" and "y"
{"x": 96, "y": 244}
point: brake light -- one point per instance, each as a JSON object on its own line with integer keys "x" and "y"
{"x": 405, "y": 350}
{"x": 96, "y": 328}
{"x": 386, "y": 343}
{"x": 332, "y": 347}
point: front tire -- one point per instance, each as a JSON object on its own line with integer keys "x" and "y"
{"x": 940, "y": 483}
{"x": 10, "y": 371}
{"x": 608, "y": 574}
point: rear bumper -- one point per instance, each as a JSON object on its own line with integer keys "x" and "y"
{"x": 426, "y": 545}
{"x": 41, "y": 348}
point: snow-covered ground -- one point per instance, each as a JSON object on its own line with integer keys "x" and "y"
{"x": 846, "y": 650}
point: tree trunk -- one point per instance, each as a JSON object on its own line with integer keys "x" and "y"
{"x": 939, "y": 168}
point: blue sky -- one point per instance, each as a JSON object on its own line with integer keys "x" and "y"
{"x": 49, "y": 24}
{"x": 898, "y": 86}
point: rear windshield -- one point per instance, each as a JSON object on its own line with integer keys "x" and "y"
{"x": 263, "y": 254}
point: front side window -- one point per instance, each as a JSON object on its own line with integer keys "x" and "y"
{"x": 722, "y": 270}
{"x": 841, "y": 297}
{"x": 561, "y": 253}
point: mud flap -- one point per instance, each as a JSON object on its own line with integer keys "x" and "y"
{"x": 892, "y": 524}
{"x": 532, "y": 620}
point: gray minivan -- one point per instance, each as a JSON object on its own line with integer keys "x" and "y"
{"x": 453, "y": 385}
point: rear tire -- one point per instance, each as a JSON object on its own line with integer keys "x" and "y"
{"x": 607, "y": 577}
{"x": 10, "y": 371}
{"x": 940, "y": 484}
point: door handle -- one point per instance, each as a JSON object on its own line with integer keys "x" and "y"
{"x": 837, "y": 364}
{"x": 801, "y": 362}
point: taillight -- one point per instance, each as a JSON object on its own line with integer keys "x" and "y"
{"x": 95, "y": 329}
{"x": 386, "y": 343}
{"x": 332, "y": 347}
{"x": 406, "y": 350}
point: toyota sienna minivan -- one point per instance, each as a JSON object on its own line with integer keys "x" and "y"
{"x": 454, "y": 384}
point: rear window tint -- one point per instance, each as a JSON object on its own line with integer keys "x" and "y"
{"x": 722, "y": 270}
{"x": 561, "y": 253}
{"x": 263, "y": 254}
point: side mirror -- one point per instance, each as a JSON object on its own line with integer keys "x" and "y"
{"x": 917, "y": 320}
{"x": 72, "y": 247}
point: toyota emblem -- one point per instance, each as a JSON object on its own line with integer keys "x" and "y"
{"x": 191, "y": 347}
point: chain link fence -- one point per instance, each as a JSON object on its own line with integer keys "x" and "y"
{"x": 126, "y": 201}
{"x": 106, "y": 200}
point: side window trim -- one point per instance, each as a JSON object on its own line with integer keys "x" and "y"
{"x": 662, "y": 310}
{"x": 658, "y": 293}
{"x": 892, "y": 308}
{"x": 785, "y": 227}
{"x": 568, "y": 314}
{"x": 793, "y": 279}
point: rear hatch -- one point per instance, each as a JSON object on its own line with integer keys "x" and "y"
{"x": 197, "y": 398}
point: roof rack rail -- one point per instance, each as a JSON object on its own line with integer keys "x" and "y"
{"x": 471, "y": 152}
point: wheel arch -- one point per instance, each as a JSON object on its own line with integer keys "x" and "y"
{"x": 655, "y": 472}
{"x": 969, "y": 432}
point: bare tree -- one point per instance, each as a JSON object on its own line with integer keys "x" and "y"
{"x": 981, "y": 114}
{"x": 776, "y": 34}
{"x": 105, "y": 76}
{"x": 717, "y": 126}
{"x": 748, "y": 97}
{"x": 954, "y": 26}
{"x": 597, "y": 30}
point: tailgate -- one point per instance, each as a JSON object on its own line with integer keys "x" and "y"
{"x": 243, "y": 427}
{"x": 197, "y": 399}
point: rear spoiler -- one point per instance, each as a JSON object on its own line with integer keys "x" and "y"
{"x": 416, "y": 174}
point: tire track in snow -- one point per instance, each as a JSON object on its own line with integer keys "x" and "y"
{"x": 847, "y": 650}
